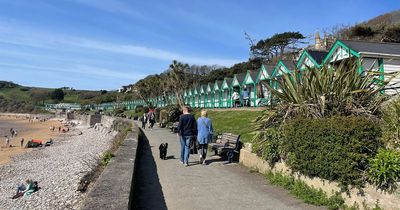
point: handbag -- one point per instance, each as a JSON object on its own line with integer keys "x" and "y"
{"x": 194, "y": 145}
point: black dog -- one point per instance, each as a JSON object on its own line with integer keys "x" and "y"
{"x": 163, "y": 150}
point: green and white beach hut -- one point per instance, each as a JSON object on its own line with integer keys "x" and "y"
{"x": 236, "y": 84}
{"x": 210, "y": 95}
{"x": 250, "y": 83}
{"x": 202, "y": 90}
{"x": 282, "y": 67}
{"x": 264, "y": 76}
{"x": 196, "y": 95}
{"x": 376, "y": 56}
{"x": 217, "y": 93}
{"x": 226, "y": 99}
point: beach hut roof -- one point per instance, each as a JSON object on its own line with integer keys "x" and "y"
{"x": 283, "y": 65}
{"x": 265, "y": 72}
{"x": 226, "y": 84}
{"x": 210, "y": 87}
{"x": 238, "y": 79}
{"x": 251, "y": 78}
{"x": 311, "y": 58}
{"x": 342, "y": 48}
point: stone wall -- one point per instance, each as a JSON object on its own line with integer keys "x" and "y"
{"x": 112, "y": 189}
{"x": 370, "y": 197}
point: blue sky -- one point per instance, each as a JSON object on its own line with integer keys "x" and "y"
{"x": 103, "y": 44}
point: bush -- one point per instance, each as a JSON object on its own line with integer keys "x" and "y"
{"x": 384, "y": 170}
{"x": 391, "y": 124}
{"x": 267, "y": 144}
{"x": 336, "y": 149}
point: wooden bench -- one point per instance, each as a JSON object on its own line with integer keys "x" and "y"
{"x": 174, "y": 127}
{"x": 227, "y": 144}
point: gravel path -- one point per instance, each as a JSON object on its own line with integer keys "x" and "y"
{"x": 57, "y": 168}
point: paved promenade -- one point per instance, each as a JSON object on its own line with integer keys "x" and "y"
{"x": 166, "y": 184}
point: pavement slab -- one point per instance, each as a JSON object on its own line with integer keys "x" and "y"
{"x": 216, "y": 185}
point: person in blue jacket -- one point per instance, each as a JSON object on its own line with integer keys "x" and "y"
{"x": 204, "y": 135}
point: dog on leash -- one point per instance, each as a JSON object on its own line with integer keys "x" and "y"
{"x": 163, "y": 150}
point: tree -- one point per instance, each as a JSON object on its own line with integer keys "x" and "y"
{"x": 39, "y": 95}
{"x": 57, "y": 95}
{"x": 392, "y": 34}
{"x": 178, "y": 80}
{"x": 276, "y": 45}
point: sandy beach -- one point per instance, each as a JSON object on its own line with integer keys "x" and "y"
{"x": 27, "y": 130}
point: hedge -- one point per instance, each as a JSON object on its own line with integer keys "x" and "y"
{"x": 336, "y": 149}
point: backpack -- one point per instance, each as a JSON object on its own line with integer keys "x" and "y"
{"x": 152, "y": 116}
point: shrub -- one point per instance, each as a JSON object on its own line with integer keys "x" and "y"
{"x": 336, "y": 149}
{"x": 391, "y": 124}
{"x": 267, "y": 144}
{"x": 384, "y": 170}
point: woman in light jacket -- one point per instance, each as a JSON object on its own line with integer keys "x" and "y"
{"x": 204, "y": 135}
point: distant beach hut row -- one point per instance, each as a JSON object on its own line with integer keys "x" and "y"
{"x": 380, "y": 57}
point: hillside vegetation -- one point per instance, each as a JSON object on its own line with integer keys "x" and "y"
{"x": 384, "y": 28}
{"x": 17, "y": 98}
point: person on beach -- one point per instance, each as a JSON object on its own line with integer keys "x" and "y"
{"x": 204, "y": 136}
{"x": 7, "y": 141}
{"x": 187, "y": 129}
{"x": 22, "y": 142}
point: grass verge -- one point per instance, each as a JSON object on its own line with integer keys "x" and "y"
{"x": 308, "y": 194}
{"x": 237, "y": 122}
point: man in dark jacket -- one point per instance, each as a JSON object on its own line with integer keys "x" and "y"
{"x": 187, "y": 129}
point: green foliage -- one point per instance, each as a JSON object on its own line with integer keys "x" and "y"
{"x": 309, "y": 194}
{"x": 391, "y": 124}
{"x": 267, "y": 144}
{"x": 5, "y": 84}
{"x": 392, "y": 34}
{"x": 276, "y": 45}
{"x": 384, "y": 170}
{"x": 336, "y": 149}
{"x": 57, "y": 94}
{"x": 361, "y": 31}
{"x": 106, "y": 158}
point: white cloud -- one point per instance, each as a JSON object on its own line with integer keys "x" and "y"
{"x": 35, "y": 38}
{"x": 91, "y": 71}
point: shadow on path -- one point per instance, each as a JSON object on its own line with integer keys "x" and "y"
{"x": 147, "y": 192}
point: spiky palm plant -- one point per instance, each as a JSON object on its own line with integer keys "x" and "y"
{"x": 318, "y": 93}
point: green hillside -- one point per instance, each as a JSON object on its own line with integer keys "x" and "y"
{"x": 17, "y": 98}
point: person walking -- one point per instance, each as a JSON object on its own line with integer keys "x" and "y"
{"x": 152, "y": 119}
{"x": 144, "y": 120}
{"x": 204, "y": 136}
{"x": 22, "y": 142}
{"x": 187, "y": 129}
